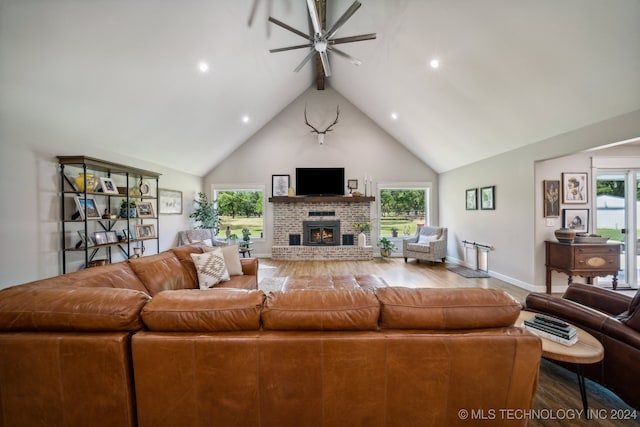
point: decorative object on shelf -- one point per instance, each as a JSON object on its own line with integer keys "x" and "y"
{"x": 488, "y": 198}
{"x": 128, "y": 210}
{"x": 590, "y": 238}
{"x": 551, "y": 189}
{"x": 108, "y": 186}
{"x": 356, "y": 194}
{"x": 112, "y": 236}
{"x": 90, "y": 180}
{"x": 291, "y": 192}
{"x": 471, "y": 198}
{"x": 92, "y": 210}
{"x": 280, "y": 185}
{"x": 100, "y": 237}
{"x": 565, "y": 235}
{"x": 576, "y": 220}
{"x": 145, "y": 231}
{"x": 145, "y": 210}
{"x": 352, "y": 184}
{"x": 144, "y": 189}
{"x": 170, "y": 202}
{"x": 386, "y": 246}
{"x": 84, "y": 241}
{"x": 574, "y": 187}
{"x": 206, "y": 214}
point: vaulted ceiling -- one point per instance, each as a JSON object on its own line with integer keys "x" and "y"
{"x": 124, "y": 75}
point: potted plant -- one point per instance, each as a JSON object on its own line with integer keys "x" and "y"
{"x": 386, "y": 246}
{"x": 245, "y": 237}
{"x": 128, "y": 209}
{"x": 206, "y": 215}
{"x": 394, "y": 231}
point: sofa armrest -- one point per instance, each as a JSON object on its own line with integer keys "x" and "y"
{"x": 570, "y": 311}
{"x": 600, "y": 299}
{"x": 249, "y": 266}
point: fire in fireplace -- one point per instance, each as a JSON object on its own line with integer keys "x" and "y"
{"x": 321, "y": 233}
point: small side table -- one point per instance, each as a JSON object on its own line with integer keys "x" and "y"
{"x": 586, "y": 351}
{"x": 244, "y": 250}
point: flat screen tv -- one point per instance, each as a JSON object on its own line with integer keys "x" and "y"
{"x": 320, "y": 181}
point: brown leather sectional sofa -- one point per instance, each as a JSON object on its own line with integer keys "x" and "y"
{"x": 136, "y": 345}
{"x": 614, "y": 319}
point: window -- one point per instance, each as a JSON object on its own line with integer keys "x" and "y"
{"x": 403, "y": 208}
{"x": 240, "y": 207}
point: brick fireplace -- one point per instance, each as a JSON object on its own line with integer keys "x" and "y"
{"x": 328, "y": 222}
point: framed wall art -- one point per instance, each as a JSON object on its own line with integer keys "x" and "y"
{"x": 280, "y": 185}
{"x": 551, "y": 190}
{"x": 170, "y": 202}
{"x": 576, "y": 219}
{"x": 488, "y": 198}
{"x": 574, "y": 187}
{"x": 471, "y": 199}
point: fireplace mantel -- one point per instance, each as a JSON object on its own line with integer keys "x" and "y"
{"x": 322, "y": 199}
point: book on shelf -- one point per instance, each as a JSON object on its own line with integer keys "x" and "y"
{"x": 552, "y": 337}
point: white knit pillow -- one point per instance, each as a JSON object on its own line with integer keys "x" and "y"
{"x": 425, "y": 240}
{"x": 231, "y": 258}
{"x": 211, "y": 268}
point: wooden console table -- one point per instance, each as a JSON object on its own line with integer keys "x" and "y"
{"x": 583, "y": 259}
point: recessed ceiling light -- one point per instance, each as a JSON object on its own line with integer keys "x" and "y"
{"x": 245, "y": 119}
{"x": 394, "y": 116}
{"x": 203, "y": 67}
{"x": 435, "y": 63}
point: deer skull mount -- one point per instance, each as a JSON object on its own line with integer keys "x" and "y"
{"x": 322, "y": 133}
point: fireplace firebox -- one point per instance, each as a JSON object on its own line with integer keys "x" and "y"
{"x": 321, "y": 233}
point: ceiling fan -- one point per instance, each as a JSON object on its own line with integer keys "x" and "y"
{"x": 321, "y": 41}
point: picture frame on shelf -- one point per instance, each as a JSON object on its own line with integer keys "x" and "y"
{"x": 576, "y": 219}
{"x": 551, "y": 197}
{"x": 93, "y": 211}
{"x": 575, "y": 188}
{"x": 169, "y": 202}
{"x": 112, "y": 236}
{"x": 352, "y": 184}
{"x": 280, "y": 185}
{"x": 488, "y": 198}
{"x": 145, "y": 210}
{"x": 100, "y": 237}
{"x": 471, "y": 199}
{"x": 145, "y": 231}
{"x": 108, "y": 186}
{"x": 85, "y": 242}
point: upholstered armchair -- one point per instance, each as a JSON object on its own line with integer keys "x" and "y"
{"x": 194, "y": 236}
{"x": 429, "y": 243}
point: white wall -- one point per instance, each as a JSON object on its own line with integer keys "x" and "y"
{"x": 30, "y": 207}
{"x": 514, "y": 228}
{"x": 355, "y": 143}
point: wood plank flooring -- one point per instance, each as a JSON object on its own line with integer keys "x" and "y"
{"x": 557, "y": 402}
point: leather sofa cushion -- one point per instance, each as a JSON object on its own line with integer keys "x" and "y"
{"x": 183, "y": 253}
{"x": 70, "y": 309}
{"x": 444, "y": 309}
{"x": 197, "y": 310}
{"x": 162, "y": 272}
{"x": 322, "y": 310}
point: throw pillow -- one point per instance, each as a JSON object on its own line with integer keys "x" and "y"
{"x": 211, "y": 268}
{"x": 425, "y": 240}
{"x": 231, "y": 258}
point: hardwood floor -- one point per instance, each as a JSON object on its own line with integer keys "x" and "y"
{"x": 557, "y": 402}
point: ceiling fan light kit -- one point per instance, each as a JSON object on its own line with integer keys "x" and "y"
{"x": 320, "y": 41}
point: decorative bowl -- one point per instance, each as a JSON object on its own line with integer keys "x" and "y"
{"x": 565, "y": 235}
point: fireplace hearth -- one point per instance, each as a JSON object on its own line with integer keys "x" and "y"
{"x": 321, "y": 233}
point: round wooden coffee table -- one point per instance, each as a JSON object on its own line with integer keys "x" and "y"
{"x": 586, "y": 351}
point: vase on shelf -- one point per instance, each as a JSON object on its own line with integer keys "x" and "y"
{"x": 362, "y": 239}
{"x": 565, "y": 235}
{"x": 90, "y": 180}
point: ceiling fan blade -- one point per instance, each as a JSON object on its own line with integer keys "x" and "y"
{"x": 315, "y": 20}
{"x": 345, "y": 16}
{"x": 305, "y": 60}
{"x": 351, "y": 39}
{"x": 354, "y": 61}
{"x": 325, "y": 63}
{"x": 290, "y": 28}
{"x": 283, "y": 49}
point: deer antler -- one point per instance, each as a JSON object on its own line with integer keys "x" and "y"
{"x": 328, "y": 129}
